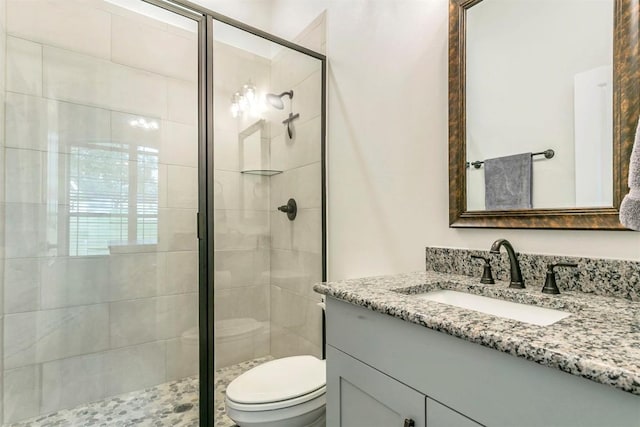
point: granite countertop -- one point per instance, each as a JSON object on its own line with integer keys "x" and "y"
{"x": 600, "y": 341}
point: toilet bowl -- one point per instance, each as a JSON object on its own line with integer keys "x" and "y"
{"x": 287, "y": 392}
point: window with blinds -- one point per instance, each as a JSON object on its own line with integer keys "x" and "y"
{"x": 113, "y": 198}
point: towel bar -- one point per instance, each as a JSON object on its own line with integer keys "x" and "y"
{"x": 548, "y": 154}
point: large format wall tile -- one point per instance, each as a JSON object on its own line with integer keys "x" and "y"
{"x": 176, "y": 314}
{"x": 26, "y": 122}
{"x": 177, "y": 230}
{"x": 70, "y": 25}
{"x": 126, "y": 132}
{"x": 70, "y": 382}
{"x": 285, "y": 343}
{"x": 241, "y": 230}
{"x": 38, "y": 124}
{"x": 76, "y": 124}
{"x": 73, "y": 281}
{"x": 132, "y": 322}
{"x": 21, "y": 285}
{"x": 304, "y": 184}
{"x": 134, "y": 275}
{"x": 179, "y": 144}
{"x": 27, "y": 178}
{"x": 174, "y": 55}
{"x": 182, "y": 98}
{"x": 308, "y": 95}
{"x": 73, "y": 77}
{"x": 41, "y": 336}
{"x": 298, "y": 314}
{"x": 226, "y": 152}
{"x": 24, "y": 66}
{"x": 181, "y": 275}
{"x": 244, "y": 302}
{"x": 302, "y": 150}
{"x": 182, "y": 358}
{"x": 182, "y": 187}
{"x": 237, "y": 268}
{"x": 290, "y": 68}
{"x": 136, "y": 368}
{"x": 307, "y": 231}
{"x": 233, "y": 190}
{"x": 26, "y": 236}
{"x": 21, "y": 393}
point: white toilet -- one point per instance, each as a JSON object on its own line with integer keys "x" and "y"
{"x": 287, "y": 392}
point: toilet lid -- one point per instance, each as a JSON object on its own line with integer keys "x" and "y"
{"x": 277, "y": 380}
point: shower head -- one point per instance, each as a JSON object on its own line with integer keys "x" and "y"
{"x": 276, "y": 100}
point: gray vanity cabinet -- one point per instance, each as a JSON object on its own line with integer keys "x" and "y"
{"x": 440, "y": 416}
{"x": 367, "y": 397}
{"x": 382, "y": 370}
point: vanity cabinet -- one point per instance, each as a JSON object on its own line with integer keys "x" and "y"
{"x": 367, "y": 397}
{"x": 440, "y": 416}
{"x": 382, "y": 370}
{"x": 370, "y": 398}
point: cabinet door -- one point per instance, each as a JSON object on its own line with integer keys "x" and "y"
{"x": 358, "y": 395}
{"x": 439, "y": 415}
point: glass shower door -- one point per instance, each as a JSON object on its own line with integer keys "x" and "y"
{"x": 100, "y": 165}
{"x": 268, "y": 162}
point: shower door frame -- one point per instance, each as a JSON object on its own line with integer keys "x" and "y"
{"x": 205, "y": 221}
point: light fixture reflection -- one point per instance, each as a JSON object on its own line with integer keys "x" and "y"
{"x": 142, "y": 123}
{"x": 246, "y": 101}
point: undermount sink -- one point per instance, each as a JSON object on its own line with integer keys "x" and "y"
{"x": 511, "y": 310}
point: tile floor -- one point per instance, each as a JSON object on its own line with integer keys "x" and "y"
{"x": 170, "y": 404}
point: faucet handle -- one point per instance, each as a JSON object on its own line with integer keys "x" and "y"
{"x": 487, "y": 276}
{"x": 550, "y": 285}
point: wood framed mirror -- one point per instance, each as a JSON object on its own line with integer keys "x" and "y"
{"x": 618, "y": 128}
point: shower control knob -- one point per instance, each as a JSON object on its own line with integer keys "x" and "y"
{"x": 291, "y": 209}
{"x": 408, "y": 422}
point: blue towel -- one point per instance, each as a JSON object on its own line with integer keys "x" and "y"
{"x": 507, "y": 182}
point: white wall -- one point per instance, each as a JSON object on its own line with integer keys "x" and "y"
{"x": 387, "y": 141}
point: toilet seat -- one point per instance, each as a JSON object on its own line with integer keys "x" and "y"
{"x": 277, "y": 384}
{"x": 256, "y": 407}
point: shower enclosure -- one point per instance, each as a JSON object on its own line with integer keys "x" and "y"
{"x": 268, "y": 198}
{"x": 143, "y": 168}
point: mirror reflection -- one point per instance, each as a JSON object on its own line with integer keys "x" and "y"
{"x": 539, "y": 117}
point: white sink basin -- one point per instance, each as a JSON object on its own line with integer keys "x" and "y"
{"x": 511, "y": 310}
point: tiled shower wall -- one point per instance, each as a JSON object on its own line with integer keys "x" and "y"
{"x": 80, "y": 328}
{"x": 265, "y": 264}
{"x": 241, "y": 233}
{"x": 296, "y": 246}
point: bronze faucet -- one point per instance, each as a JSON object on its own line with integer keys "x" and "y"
{"x": 517, "y": 282}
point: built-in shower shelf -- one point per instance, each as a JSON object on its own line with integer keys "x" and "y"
{"x": 263, "y": 172}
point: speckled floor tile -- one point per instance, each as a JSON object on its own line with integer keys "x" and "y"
{"x": 171, "y": 404}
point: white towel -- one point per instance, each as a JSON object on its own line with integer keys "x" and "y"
{"x": 630, "y": 207}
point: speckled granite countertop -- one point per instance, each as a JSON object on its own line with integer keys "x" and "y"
{"x": 600, "y": 341}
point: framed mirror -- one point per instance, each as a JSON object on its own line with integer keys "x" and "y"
{"x": 544, "y": 99}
